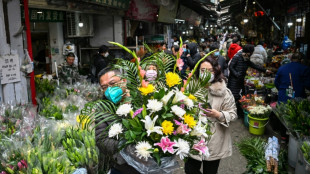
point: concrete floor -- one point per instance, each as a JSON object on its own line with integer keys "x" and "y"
{"x": 235, "y": 164}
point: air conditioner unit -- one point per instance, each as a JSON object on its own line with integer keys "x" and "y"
{"x": 79, "y": 24}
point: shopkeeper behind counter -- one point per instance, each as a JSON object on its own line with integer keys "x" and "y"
{"x": 68, "y": 73}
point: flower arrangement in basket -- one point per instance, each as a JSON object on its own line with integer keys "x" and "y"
{"x": 160, "y": 119}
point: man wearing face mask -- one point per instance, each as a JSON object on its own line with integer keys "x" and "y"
{"x": 238, "y": 67}
{"x": 101, "y": 60}
{"x": 114, "y": 90}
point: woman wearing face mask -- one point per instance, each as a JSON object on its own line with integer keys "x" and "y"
{"x": 151, "y": 73}
{"x": 221, "y": 113}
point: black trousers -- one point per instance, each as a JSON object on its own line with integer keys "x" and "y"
{"x": 192, "y": 166}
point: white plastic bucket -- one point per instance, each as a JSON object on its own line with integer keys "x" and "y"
{"x": 292, "y": 150}
{"x": 301, "y": 164}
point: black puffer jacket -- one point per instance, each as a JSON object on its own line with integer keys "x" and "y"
{"x": 238, "y": 68}
{"x": 194, "y": 55}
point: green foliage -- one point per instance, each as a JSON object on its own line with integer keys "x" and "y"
{"x": 50, "y": 111}
{"x": 305, "y": 148}
{"x": 296, "y": 115}
{"x": 253, "y": 149}
{"x": 44, "y": 87}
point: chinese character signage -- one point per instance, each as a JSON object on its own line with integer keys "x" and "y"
{"x": 42, "y": 15}
{"x": 9, "y": 69}
{"x": 121, "y": 4}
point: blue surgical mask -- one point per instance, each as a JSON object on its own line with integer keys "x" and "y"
{"x": 184, "y": 49}
{"x": 114, "y": 94}
{"x": 217, "y": 53}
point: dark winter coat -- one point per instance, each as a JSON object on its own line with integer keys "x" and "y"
{"x": 300, "y": 78}
{"x": 224, "y": 67}
{"x": 109, "y": 147}
{"x": 194, "y": 55}
{"x": 100, "y": 63}
{"x": 238, "y": 68}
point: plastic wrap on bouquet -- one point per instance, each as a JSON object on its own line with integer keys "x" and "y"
{"x": 168, "y": 164}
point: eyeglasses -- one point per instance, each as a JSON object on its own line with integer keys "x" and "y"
{"x": 204, "y": 70}
{"x": 110, "y": 84}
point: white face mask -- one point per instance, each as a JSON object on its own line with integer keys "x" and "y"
{"x": 204, "y": 75}
{"x": 106, "y": 54}
{"x": 151, "y": 75}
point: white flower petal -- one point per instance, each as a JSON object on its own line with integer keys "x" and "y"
{"x": 178, "y": 111}
{"x": 142, "y": 150}
{"x": 115, "y": 129}
{"x": 154, "y": 105}
{"x": 124, "y": 109}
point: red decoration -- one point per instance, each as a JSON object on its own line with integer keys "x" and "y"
{"x": 259, "y": 13}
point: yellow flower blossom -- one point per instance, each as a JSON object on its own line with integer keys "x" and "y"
{"x": 167, "y": 127}
{"x": 192, "y": 97}
{"x": 173, "y": 79}
{"x": 149, "y": 89}
{"x": 189, "y": 120}
{"x": 82, "y": 120}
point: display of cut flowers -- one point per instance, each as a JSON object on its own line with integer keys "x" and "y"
{"x": 251, "y": 100}
{"x": 10, "y": 119}
{"x": 296, "y": 115}
{"x": 160, "y": 118}
{"x": 259, "y": 111}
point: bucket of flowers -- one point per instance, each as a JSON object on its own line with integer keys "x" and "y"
{"x": 160, "y": 121}
{"x": 258, "y": 118}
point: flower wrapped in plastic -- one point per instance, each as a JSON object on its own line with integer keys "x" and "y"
{"x": 160, "y": 120}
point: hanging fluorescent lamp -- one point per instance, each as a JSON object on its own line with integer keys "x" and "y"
{"x": 81, "y": 24}
{"x": 39, "y": 12}
{"x": 290, "y": 24}
{"x": 245, "y": 20}
{"x": 298, "y": 20}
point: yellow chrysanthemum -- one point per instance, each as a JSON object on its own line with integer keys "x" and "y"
{"x": 173, "y": 79}
{"x": 189, "y": 120}
{"x": 149, "y": 89}
{"x": 167, "y": 127}
{"x": 192, "y": 97}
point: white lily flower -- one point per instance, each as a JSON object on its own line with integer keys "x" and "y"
{"x": 199, "y": 130}
{"x": 178, "y": 96}
{"x": 149, "y": 125}
{"x": 189, "y": 103}
{"x": 167, "y": 97}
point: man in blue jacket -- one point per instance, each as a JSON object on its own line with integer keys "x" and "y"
{"x": 292, "y": 79}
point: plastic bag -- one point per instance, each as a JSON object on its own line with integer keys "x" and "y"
{"x": 286, "y": 43}
{"x": 168, "y": 164}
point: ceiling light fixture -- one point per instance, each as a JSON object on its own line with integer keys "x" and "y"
{"x": 290, "y": 24}
{"x": 81, "y": 24}
{"x": 298, "y": 20}
{"x": 39, "y": 12}
{"x": 245, "y": 20}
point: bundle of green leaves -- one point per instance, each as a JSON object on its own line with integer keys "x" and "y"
{"x": 305, "y": 148}
{"x": 296, "y": 114}
{"x": 49, "y": 110}
{"x": 253, "y": 149}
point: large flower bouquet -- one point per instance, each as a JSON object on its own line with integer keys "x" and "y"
{"x": 160, "y": 119}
